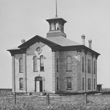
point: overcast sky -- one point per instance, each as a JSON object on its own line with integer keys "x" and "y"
{"x": 26, "y": 18}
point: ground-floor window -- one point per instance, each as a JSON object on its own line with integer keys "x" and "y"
{"x": 21, "y": 83}
{"x": 82, "y": 83}
{"x": 94, "y": 83}
{"x": 89, "y": 84}
{"x": 69, "y": 83}
{"x": 57, "y": 83}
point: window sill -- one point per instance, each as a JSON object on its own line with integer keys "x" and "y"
{"x": 69, "y": 88}
{"x": 41, "y": 70}
{"x": 35, "y": 71}
{"x": 68, "y": 70}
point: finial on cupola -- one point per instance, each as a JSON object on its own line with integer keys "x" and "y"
{"x": 56, "y": 10}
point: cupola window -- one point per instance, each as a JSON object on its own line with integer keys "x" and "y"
{"x": 57, "y": 26}
{"x": 52, "y": 27}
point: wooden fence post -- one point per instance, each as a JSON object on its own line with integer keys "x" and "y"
{"x": 47, "y": 99}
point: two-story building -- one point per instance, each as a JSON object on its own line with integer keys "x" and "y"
{"x": 54, "y": 64}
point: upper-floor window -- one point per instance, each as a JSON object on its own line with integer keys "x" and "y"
{"x": 21, "y": 65}
{"x": 82, "y": 64}
{"x": 69, "y": 83}
{"x": 41, "y": 63}
{"x": 21, "y": 83}
{"x": 89, "y": 66}
{"x": 94, "y": 67}
{"x": 89, "y": 84}
{"x": 57, "y": 65}
{"x": 69, "y": 64}
{"x": 35, "y": 63}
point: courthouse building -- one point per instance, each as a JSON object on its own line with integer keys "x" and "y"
{"x": 54, "y": 64}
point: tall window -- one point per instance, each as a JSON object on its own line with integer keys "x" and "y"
{"x": 89, "y": 84}
{"x": 21, "y": 83}
{"x": 21, "y": 65}
{"x": 94, "y": 66}
{"x": 57, "y": 66}
{"x": 69, "y": 64}
{"x": 34, "y": 63}
{"x": 94, "y": 83}
{"x": 57, "y": 83}
{"x": 69, "y": 83}
{"x": 82, "y": 83}
{"x": 89, "y": 66}
{"x": 82, "y": 64}
{"x": 41, "y": 63}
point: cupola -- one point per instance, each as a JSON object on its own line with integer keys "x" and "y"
{"x": 56, "y": 26}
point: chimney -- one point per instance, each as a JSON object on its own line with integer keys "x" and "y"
{"x": 90, "y": 44}
{"x": 22, "y": 41}
{"x": 83, "y": 39}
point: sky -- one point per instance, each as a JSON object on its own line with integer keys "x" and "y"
{"x": 23, "y": 19}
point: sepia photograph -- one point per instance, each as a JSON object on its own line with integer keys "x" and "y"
{"x": 54, "y": 55}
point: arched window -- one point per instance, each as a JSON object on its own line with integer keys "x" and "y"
{"x": 57, "y": 26}
{"x": 41, "y": 63}
{"x": 21, "y": 65}
{"x": 69, "y": 64}
{"x": 34, "y": 63}
{"x": 52, "y": 26}
{"x": 21, "y": 83}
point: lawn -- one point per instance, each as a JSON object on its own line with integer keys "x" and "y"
{"x": 72, "y": 102}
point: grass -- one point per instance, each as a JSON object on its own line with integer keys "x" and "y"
{"x": 73, "y": 102}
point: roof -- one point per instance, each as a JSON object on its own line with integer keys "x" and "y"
{"x": 16, "y": 48}
{"x": 51, "y": 41}
{"x": 62, "y": 41}
{"x": 56, "y": 18}
{"x": 37, "y": 39}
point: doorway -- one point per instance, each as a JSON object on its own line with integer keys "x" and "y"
{"x": 38, "y": 84}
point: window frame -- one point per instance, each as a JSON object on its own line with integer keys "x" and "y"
{"x": 89, "y": 83}
{"x": 94, "y": 67}
{"x": 89, "y": 65}
{"x": 57, "y": 65}
{"x": 35, "y": 63}
{"x": 41, "y": 63}
{"x": 69, "y": 64}
{"x": 94, "y": 84}
{"x": 82, "y": 64}
{"x": 69, "y": 83}
{"x": 57, "y": 83}
{"x": 21, "y": 65}
{"x": 20, "y": 83}
{"x": 82, "y": 83}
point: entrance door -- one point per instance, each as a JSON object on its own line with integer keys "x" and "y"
{"x": 38, "y": 84}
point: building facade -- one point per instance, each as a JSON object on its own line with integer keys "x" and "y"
{"x": 54, "y": 64}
